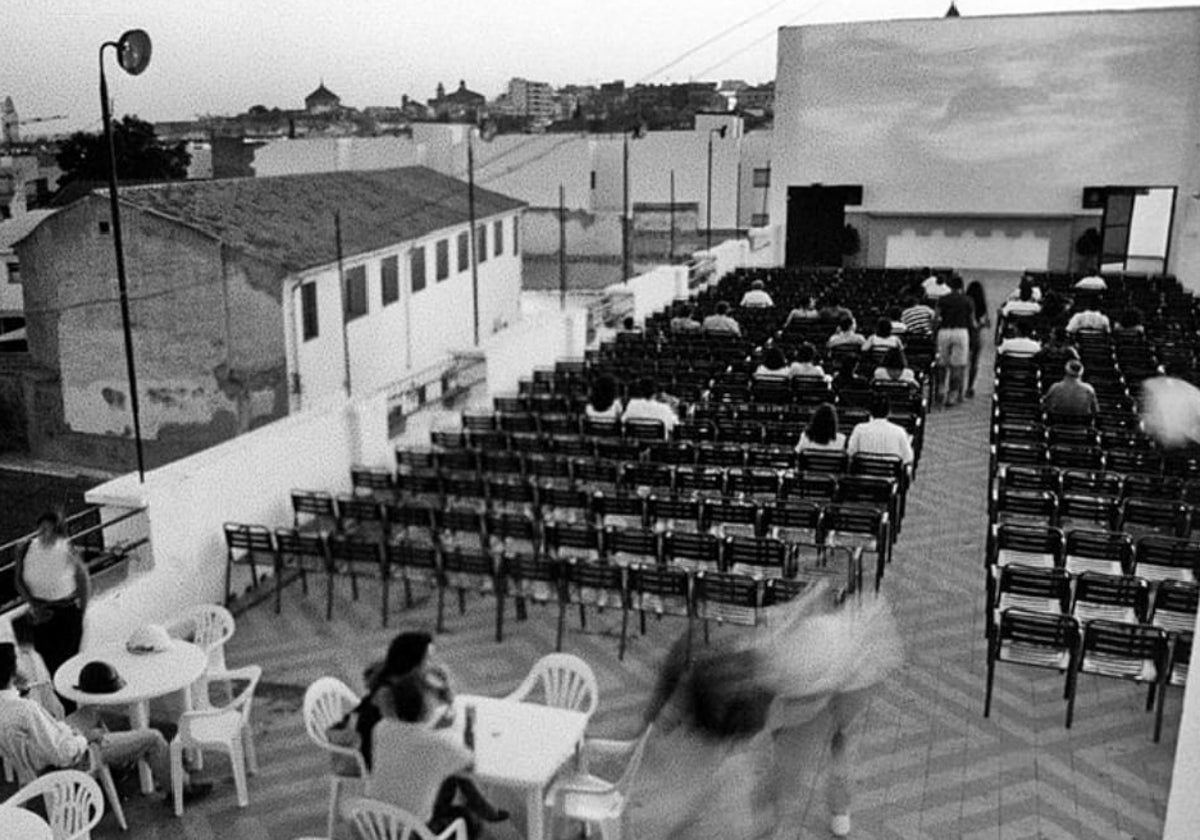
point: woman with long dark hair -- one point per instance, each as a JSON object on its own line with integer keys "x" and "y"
{"x": 982, "y": 321}
{"x": 602, "y": 401}
{"x": 822, "y": 431}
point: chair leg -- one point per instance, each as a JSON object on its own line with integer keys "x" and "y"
{"x": 353, "y": 584}
{"x": 562, "y": 621}
{"x": 582, "y": 617}
{"x": 383, "y": 583}
{"x": 408, "y": 601}
{"x": 114, "y": 798}
{"x": 177, "y": 775}
{"x": 278, "y": 584}
{"x": 1072, "y": 683}
{"x": 499, "y": 616}
{"x": 624, "y": 634}
{"x": 441, "y": 610}
{"x": 237, "y": 757}
{"x": 334, "y": 789}
{"x": 329, "y": 598}
{"x": 991, "y": 676}
{"x": 251, "y": 750}
{"x": 1158, "y": 712}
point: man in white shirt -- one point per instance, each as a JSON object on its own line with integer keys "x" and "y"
{"x": 38, "y": 742}
{"x": 1020, "y": 345}
{"x": 1093, "y": 282}
{"x": 1023, "y": 305}
{"x": 933, "y": 286}
{"x": 1089, "y": 317}
{"x": 880, "y": 436}
{"x": 757, "y": 296}
{"x": 644, "y": 406}
{"x": 721, "y": 322}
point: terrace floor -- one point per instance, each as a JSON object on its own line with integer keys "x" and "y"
{"x": 930, "y": 765}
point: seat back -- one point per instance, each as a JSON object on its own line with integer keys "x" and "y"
{"x": 326, "y": 702}
{"x": 375, "y": 820}
{"x": 208, "y": 626}
{"x": 566, "y": 682}
{"x": 74, "y": 803}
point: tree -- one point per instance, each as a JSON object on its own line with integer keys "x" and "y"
{"x": 141, "y": 156}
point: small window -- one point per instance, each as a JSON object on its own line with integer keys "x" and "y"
{"x": 308, "y": 311}
{"x": 389, "y": 279}
{"x": 593, "y": 180}
{"x": 464, "y": 251}
{"x": 760, "y": 219}
{"x": 443, "y": 259}
{"x": 14, "y": 273}
{"x": 481, "y": 245}
{"x": 762, "y": 177}
{"x": 516, "y": 223}
{"x": 417, "y": 268}
{"x": 498, "y": 237}
{"x": 356, "y": 292}
{"x": 104, "y": 228}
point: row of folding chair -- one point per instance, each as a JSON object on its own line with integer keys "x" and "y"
{"x": 1154, "y": 558}
{"x": 735, "y": 596}
{"x": 1074, "y": 456}
{"x": 1141, "y": 653}
{"x": 1134, "y": 515}
{"x": 1104, "y": 482}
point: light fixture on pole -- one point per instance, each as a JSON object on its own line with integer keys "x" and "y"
{"x": 133, "y": 54}
{"x": 708, "y": 206}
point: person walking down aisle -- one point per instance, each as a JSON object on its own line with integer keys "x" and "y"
{"x": 52, "y": 579}
{"x": 956, "y": 317}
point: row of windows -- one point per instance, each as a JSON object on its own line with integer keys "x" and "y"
{"x": 355, "y": 296}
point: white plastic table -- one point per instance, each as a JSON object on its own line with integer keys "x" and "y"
{"x": 147, "y": 676}
{"x": 522, "y": 746}
{"x": 19, "y": 824}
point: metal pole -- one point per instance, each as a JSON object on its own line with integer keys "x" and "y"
{"x": 474, "y": 244}
{"x": 671, "y": 254}
{"x": 737, "y": 203}
{"x": 625, "y": 208}
{"x": 708, "y": 203}
{"x": 562, "y": 248}
{"x": 118, "y": 247}
{"x": 337, "y": 236}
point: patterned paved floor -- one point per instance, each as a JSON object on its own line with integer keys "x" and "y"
{"x": 931, "y": 767}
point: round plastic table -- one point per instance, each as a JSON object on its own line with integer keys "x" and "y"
{"x": 18, "y": 824}
{"x": 146, "y": 675}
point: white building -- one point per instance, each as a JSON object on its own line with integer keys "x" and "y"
{"x": 532, "y": 99}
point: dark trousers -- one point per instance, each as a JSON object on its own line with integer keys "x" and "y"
{"x": 447, "y": 807}
{"x": 58, "y": 635}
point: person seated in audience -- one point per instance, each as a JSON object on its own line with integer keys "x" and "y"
{"x": 806, "y": 311}
{"x": 879, "y": 435}
{"x": 602, "y": 400}
{"x": 29, "y": 731}
{"x": 1093, "y": 283}
{"x": 1071, "y": 396}
{"x": 1027, "y": 282}
{"x": 757, "y": 296}
{"x": 934, "y": 286}
{"x": 895, "y": 368}
{"x": 1024, "y": 304}
{"x": 882, "y": 337}
{"x": 847, "y": 375}
{"x": 822, "y": 431}
{"x": 685, "y": 320}
{"x": 898, "y": 326}
{"x": 1054, "y": 306}
{"x": 421, "y": 762}
{"x": 1129, "y": 323}
{"x": 774, "y": 366}
{"x": 832, "y": 311}
{"x": 720, "y": 322}
{"x": 847, "y": 333}
{"x": 806, "y": 364}
{"x": 644, "y": 405}
{"x": 1056, "y": 351}
{"x": 1088, "y": 316}
{"x": 33, "y": 679}
{"x": 918, "y": 317}
{"x": 1021, "y": 342}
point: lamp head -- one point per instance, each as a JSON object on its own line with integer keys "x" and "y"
{"x": 133, "y": 51}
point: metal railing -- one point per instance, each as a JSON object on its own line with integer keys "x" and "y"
{"x": 107, "y": 557}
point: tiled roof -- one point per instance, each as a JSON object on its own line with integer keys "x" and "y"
{"x": 14, "y": 229}
{"x": 289, "y": 219}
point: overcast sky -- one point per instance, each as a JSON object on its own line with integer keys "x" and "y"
{"x": 222, "y": 56}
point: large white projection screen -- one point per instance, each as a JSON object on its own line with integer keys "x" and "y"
{"x": 995, "y": 115}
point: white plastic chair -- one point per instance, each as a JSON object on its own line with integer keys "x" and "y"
{"x": 380, "y": 821}
{"x": 590, "y": 799}
{"x": 326, "y": 702}
{"x": 209, "y": 627}
{"x": 74, "y": 803}
{"x": 16, "y": 764}
{"x": 226, "y": 728}
{"x": 567, "y": 682}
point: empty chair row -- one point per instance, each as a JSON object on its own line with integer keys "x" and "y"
{"x": 1075, "y": 456}
{"x": 1134, "y": 515}
{"x": 1153, "y": 558}
{"x": 1102, "y": 482}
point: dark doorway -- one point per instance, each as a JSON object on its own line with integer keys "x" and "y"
{"x": 816, "y": 216}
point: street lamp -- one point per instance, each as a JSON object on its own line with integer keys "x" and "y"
{"x": 708, "y": 210}
{"x": 133, "y": 54}
{"x": 637, "y": 133}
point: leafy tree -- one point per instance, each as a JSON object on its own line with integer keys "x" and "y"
{"x": 141, "y": 156}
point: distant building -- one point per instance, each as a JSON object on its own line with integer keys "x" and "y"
{"x": 461, "y": 106}
{"x": 10, "y": 126}
{"x": 238, "y": 305}
{"x": 322, "y": 100}
{"x": 532, "y": 99}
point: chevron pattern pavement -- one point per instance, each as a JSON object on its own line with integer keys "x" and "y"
{"x": 930, "y": 766}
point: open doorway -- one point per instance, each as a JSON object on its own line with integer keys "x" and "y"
{"x": 1136, "y": 229}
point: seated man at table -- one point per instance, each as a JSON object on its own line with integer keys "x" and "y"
{"x": 421, "y": 763}
{"x": 36, "y": 740}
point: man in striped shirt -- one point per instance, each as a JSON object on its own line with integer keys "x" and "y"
{"x": 918, "y": 318}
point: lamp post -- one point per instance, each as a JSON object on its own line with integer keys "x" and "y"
{"x": 487, "y": 131}
{"x": 708, "y": 206}
{"x": 133, "y": 54}
{"x": 637, "y": 133}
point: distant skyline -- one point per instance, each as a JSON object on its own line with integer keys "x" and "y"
{"x": 223, "y": 56}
